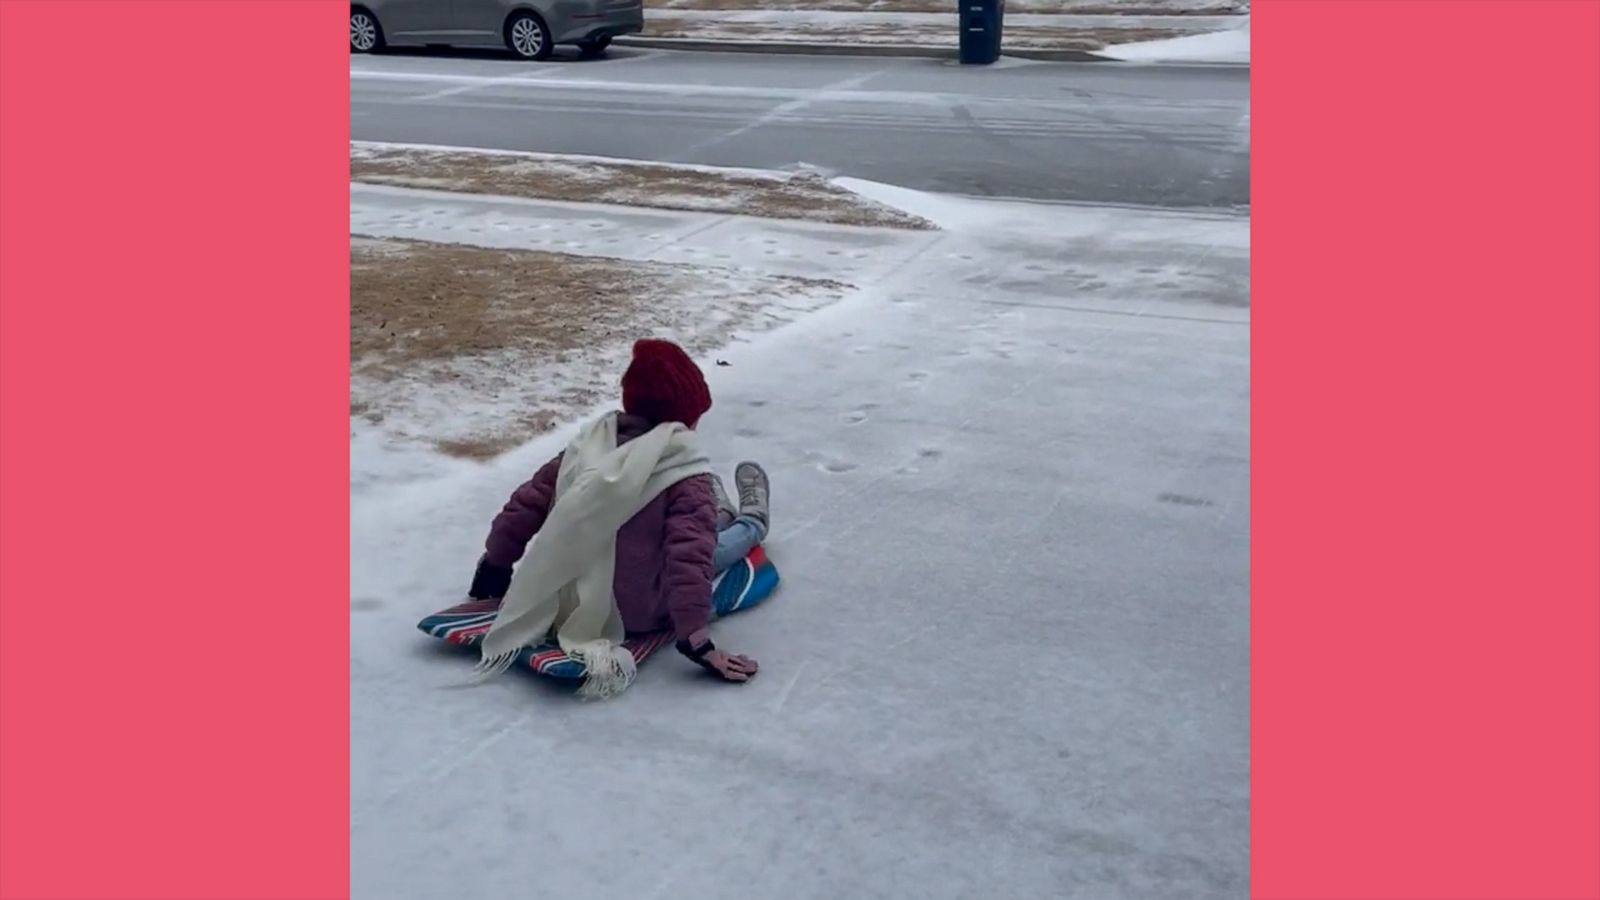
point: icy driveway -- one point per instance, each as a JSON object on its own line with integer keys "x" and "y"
{"x": 1010, "y": 656}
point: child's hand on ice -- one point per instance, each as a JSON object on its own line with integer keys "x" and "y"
{"x": 725, "y": 665}
{"x": 730, "y": 667}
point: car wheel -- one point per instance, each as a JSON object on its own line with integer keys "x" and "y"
{"x": 527, "y": 36}
{"x": 366, "y": 35}
{"x": 594, "y": 48}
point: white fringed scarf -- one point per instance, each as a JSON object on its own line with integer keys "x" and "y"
{"x": 564, "y": 580}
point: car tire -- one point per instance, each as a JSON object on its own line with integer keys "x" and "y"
{"x": 366, "y": 35}
{"x": 528, "y": 37}
{"x": 596, "y": 48}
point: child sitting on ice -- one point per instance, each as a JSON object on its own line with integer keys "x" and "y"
{"x": 632, "y": 529}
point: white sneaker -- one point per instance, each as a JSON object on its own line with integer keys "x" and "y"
{"x": 754, "y": 492}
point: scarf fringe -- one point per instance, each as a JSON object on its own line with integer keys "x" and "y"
{"x": 492, "y": 667}
{"x": 610, "y": 669}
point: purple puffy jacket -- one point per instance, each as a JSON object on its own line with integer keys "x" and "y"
{"x": 663, "y": 574}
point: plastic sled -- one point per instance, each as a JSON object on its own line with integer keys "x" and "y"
{"x": 750, "y": 581}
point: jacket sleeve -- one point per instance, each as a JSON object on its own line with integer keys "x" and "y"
{"x": 691, "y": 540}
{"x": 522, "y": 517}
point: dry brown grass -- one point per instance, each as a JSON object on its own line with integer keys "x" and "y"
{"x": 800, "y": 196}
{"x": 488, "y": 447}
{"x": 415, "y": 307}
{"x": 512, "y": 332}
{"x": 416, "y": 302}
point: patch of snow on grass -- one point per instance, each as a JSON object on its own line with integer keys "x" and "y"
{"x": 1231, "y": 46}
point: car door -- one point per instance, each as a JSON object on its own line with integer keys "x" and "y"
{"x": 406, "y": 21}
{"x": 483, "y": 21}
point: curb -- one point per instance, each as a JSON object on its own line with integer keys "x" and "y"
{"x": 794, "y": 48}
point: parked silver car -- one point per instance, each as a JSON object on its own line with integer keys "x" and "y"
{"x": 529, "y": 28}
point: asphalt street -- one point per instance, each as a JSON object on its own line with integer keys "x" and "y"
{"x": 1144, "y": 135}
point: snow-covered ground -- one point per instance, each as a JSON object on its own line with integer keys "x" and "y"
{"x": 1023, "y": 29}
{"x": 1071, "y": 7}
{"x": 782, "y": 17}
{"x": 552, "y": 347}
{"x": 1227, "y": 46}
{"x": 801, "y": 193}
{"x": 1010, "y": 654}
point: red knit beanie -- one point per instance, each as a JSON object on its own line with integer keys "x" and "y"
{"x": 663, "y": 384}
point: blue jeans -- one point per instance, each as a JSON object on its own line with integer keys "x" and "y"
{"x": 735, "y": 543}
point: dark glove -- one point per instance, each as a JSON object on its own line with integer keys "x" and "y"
{"x": 489, "y": 582}
{"x": 720, "y": 663}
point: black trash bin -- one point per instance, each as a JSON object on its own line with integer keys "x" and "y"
{"x": 981, "y": 22}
